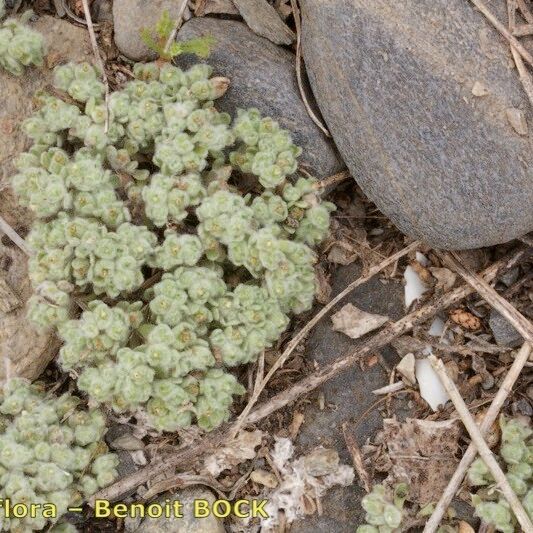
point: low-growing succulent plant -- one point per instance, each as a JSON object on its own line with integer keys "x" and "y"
{"x": 516, "y": 452}
{"x": 51, "y": 452}
{"x": 384, "y": 509}
{"x": 20, "y": 46}
{"x": 180, "y": 274}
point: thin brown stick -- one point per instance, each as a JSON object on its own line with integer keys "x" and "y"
{"x": 8, "y": 299}
{"x": 177, "y": 25}
{"x": 14, "y": 236}
{"x": 503, "y": 30}
{"x": 98, "y": 57}
{"x": 393, "y": 387}
{"x": 524, "y": 11}
{"x": 310, "y": 112}
{"x": 253, "y": 397}
{"x": 280, "y": 361}
{"x": 372, "y": 345}
{"x": 187, "y": 455}
{"x": 523, "y": 73}
{"x": 522, "y": 30}
{"x": 332, "y": 180}
{"x": 481, "y": 445}
{"x": 490, "y": 417}
{"x": 511, "y": 14}
{"x": 517, "y": 319}
{"x": 357, "y": 458}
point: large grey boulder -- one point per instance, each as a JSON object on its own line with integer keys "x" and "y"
{"x": 395, "y": 82}
{"x": 262, "y": 75}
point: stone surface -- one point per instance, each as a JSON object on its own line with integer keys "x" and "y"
{"x": 394, "y": 82}
{"x": 347, "y": 397}
{"x": 131, "y": 16}
{"x": 264, "y": 20}
{"x": 188, "y": 523}
{"x": 504, "y": 333}
{"x": 28, "y": 350}
{"x": 262, "y": 75}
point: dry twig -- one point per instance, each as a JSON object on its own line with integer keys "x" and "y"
{"x": 310, "y": 112}
{"x": 14, "y": 236}
{"x": 503, "y": 30}
{"x": 525, "y": 76}
{"x": 393, "y": 387}
{"x": 8, "y": 299}
{"x": 179, "y": 20}
{"x": 332, "y": 180}
{"x": 481, "y": 445}
{"x": 372, "y": 345}
{"x": 186, "y": 455}
{"x": 490, "y": 417}
{"x": 253, "y": 398}
{"x": 98, "y": 57}
{"x": 518, "y": 321}
{"x": 314, "y": 321}
{"x": 357, "y": 458}
{"x": 524, "y": 11}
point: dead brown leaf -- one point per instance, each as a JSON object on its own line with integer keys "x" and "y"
{"x": 444, "y": 276}
{"x": 355, "y": 322}
{"x": 465, "y": 319}
{"x": 342, "y": 253}
{"x": 423, "y": 455}
{"x": 241, "y": 449}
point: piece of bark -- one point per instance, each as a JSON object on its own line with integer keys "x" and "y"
{"x": 8, "y": 299}
{"x": 264, "y": 20}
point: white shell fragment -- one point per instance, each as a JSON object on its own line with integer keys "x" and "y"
{"x": 422, "y": 259}
{"x": 437, "y": 327}
{"x": 355, "y": 322}
{"x": 414, "y": 286}
{"x": 431, "y": 388}
{"x": 406, "y": 367}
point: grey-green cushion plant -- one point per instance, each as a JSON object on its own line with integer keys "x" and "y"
{"x": 51, "y": 452}
{"x": 20, "y": 46}
{"x": 141, "y": 220}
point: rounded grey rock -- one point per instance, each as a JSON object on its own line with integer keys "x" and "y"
{"x": 428, "y": 113}
{"x": 131, "y": 16}
{"x": 262, "y": 75}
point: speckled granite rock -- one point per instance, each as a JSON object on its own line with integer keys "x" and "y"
{"x": 394, "y": 81}
{"x": 262, "y": 75}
